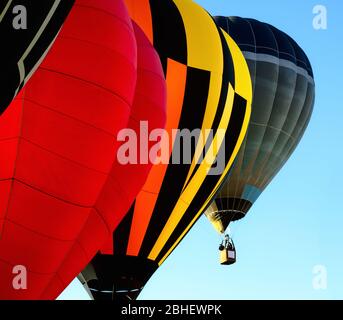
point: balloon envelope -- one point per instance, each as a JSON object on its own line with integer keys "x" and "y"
{"x": 209, "y": 88}
{"x": 149, "y": 106}
{"x": 58, "y": 142}
{"x": 283, "y": 101}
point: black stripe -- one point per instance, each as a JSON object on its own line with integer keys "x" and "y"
{"x": 228, "y": 77}
{"x": 170, "y": 39}
{"x": 193, "y": 110}
{"x": 229, "y": 69}
{"x": 231, "y": 138}
{"x": 122, "y": 233}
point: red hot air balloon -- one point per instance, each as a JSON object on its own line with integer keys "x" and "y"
{"x": 126, "y": 180}
{"x": 58, "y": 144}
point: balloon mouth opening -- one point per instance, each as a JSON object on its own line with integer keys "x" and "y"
{"x": 234, "y": 215}
{"x": 118, "y": 277}
{"x": 227, "y": 216}
{"x": 231, "y": 209}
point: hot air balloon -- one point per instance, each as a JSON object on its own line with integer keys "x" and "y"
{"x": 126, "y": 179}
{"x": 283, "y": 100}
{"x": 209, "y": 87}
{"x": 58, "y": 144}
{"x": 27, "y": 31}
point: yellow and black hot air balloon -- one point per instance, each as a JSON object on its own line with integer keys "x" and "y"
{"x": 209, "y": 88}
{"x": 283, "y": 100}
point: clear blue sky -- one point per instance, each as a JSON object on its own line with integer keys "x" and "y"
{"x": 298, "y": 221}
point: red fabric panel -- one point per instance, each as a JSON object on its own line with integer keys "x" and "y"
{"x": 150, "y": 106}
{"x": 58, "y": 145}
{"x": 125, "y": 181}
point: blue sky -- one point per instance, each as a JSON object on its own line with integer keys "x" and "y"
{"x": 297, "y": 222}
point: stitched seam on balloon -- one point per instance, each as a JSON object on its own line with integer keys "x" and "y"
{"x": 86, "y": 81}
{"x": 56, "y": 197}
{"x": 77, "y": 241}
{"x": 56, "y": 154}
{"x": 74, "y": 118}
{"x": 152, "y": 73}
{"x": 264, "y": 168}
{"x": 146, "y": 46}
{"x": 58, "y": 278}
{"x": 150, "y": 192}
{"x": 28, "y": 269}
{"x": 273, "y": 128}
{"x": 142, "y": 120}
{"x": 38, "y": 232}
{"x": 236, "y": 187}
{"x": 15, "y": 162}
{"x": 151, "y": 106}
{"x": 103, "y": 219}
{"x": 55, "y": 238}
{"x": 73, "y": 241}
{"x": 258, "y": 154}
{"x": 95, "y": 44}
{"x": 291, "y": 149}
{"x": 141, "y": 93}
{"x": 308, "y": 86}
{"x": 36, "y": 188}
{"x": 70, "y": 250}
{"x": 124, "y": 22}
{"x": 134, "y": 119}
{"x": 119, "y": 188}
{"x": 290, "y": 55}
{"x": 10, "y": 138}
{"x": 262, "y": 57}
{"x": 46, "y": 193}
{"x": 130, "y": 117}
{"x": 57, "y": 275}
{"x": 260, "y": 47}
{"x": 63, "y": 157}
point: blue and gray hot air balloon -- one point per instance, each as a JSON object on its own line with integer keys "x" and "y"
{"x": 283, "y": 100}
